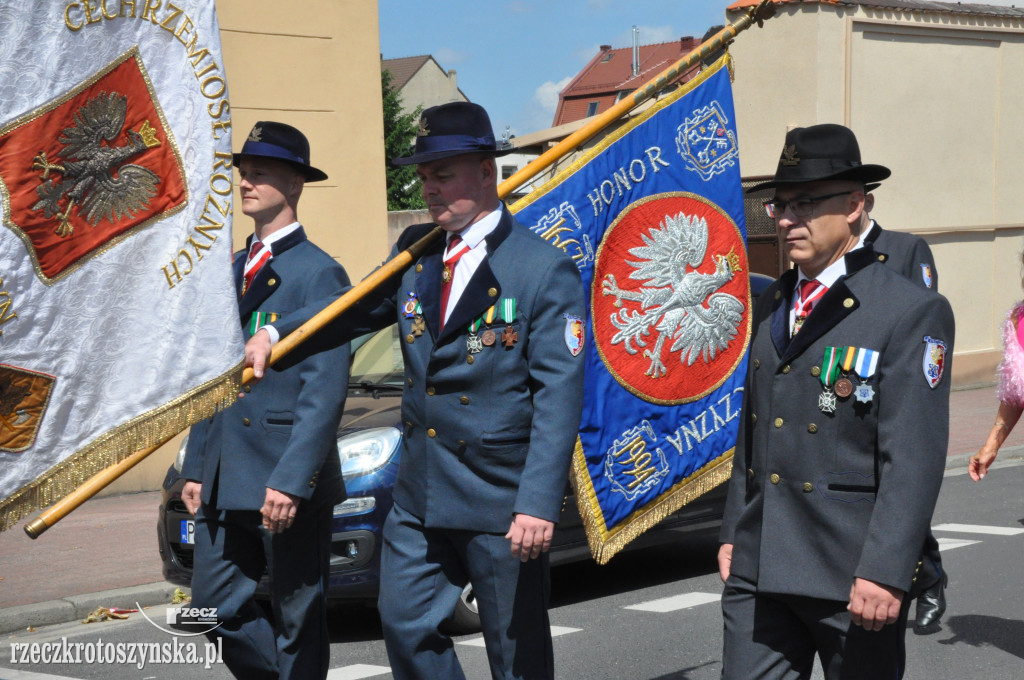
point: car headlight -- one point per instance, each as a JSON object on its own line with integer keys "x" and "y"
{"x": 180, "y": 459}
{"x": 367, "y": 451}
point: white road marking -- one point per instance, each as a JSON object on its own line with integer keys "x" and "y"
{"x": 676, "y": 602}
{"x": 357, "y": 671}
{"x": 947, "y": 544}
{"x": 555, "y": 632}
{"x": 11, "y": 674}
{"x": 979, "y": 529}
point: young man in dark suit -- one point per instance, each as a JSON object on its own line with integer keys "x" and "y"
{"x": 264, "y": 474}
{"x": 842, "y": 443}
{"x": 490, "y": 320}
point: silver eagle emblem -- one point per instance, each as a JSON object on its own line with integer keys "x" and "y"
{"x": 678, "y": 302}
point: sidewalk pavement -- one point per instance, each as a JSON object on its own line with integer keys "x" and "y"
{"x": 104, "y": 554}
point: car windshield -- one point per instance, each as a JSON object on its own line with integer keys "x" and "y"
{"x": 377, "y": 359}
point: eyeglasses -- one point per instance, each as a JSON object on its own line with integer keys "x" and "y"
{"x": 801, "y": 207}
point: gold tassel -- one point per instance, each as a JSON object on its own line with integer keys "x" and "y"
{"x": 144, "y": 431}
{"x": 605, "y": 544}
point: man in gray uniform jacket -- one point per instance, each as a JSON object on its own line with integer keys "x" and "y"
{"x": 842, "y": 443}
{"x": 490, "y": 321}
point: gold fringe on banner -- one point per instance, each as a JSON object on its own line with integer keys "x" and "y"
{"x": 604, "y": 543}
{"x": 149, "y": 429}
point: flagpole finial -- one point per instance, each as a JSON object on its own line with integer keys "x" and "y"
{"x": 765, "y": 10}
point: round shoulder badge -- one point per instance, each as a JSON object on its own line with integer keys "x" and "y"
{"x": 671, "y": 297}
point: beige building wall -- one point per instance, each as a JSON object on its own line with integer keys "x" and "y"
{"x": 313, "y": 64}
{"x": 936, "y": 98}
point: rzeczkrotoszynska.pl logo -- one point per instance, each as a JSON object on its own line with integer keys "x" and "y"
{"x": 203, "y": 617}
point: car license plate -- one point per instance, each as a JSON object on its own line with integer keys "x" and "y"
{"x": 188, "y": 531}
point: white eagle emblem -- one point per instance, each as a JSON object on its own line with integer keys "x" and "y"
{"x": 679, "y": 302}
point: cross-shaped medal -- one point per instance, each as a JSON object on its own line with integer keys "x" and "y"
{"x": 509, "y": 336}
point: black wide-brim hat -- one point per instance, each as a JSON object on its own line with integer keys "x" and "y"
{"x": 452, "y": 129}
{"x": 280, "y": 142}
{"x": 822, "y": 152}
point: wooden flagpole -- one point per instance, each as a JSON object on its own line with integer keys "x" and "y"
{"x": 764, "y": 10}
{"x": 93, "y": 485}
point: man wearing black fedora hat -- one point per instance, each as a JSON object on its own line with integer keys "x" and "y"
{"x": 491, "y": 322}
{"x": 842, "y": 442}
{"x": 264, "y": 474}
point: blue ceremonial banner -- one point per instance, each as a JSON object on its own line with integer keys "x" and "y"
{"x": 653, "y": 217}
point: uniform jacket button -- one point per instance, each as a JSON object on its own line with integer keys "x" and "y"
{"x": 431, "y": 433}
{"x": 750, "y": 473}
{"x": 272, "y": 282}
{"x": 247, "y": 389}
{"x": 774, "y": 478}
{"x": 410, "y": 382}
{"x": 753, "y": 419}
{"x": 816, "y": 371}
{"x": 808, "y": 487}
{"x": 778, "y": 422}
{"x": 786, "y": 369}
{"x": 463, "y": 400}
{"x": 410, "y": 338}
{"x": 470, "y": 359}
{"x": 493, "y": 292}
{"x": 246, "y": 422}
{"x": 419, "y": 268}
{"x": 431, "y": 390}
{"x": 812, "y": 428}
{"x": 757, "y": 363}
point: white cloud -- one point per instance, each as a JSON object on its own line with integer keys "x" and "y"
{"x": 547, "y": 94}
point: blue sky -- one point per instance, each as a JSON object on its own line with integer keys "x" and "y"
{"x": 513, "y": 56}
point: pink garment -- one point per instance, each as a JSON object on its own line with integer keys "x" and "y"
{"x": 1011, "y": 368}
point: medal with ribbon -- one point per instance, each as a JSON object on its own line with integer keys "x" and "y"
{"x": 863, "y": 362}
{"x": 488, "y": 335}
{"x": 508, "y": 314}
{"x": 830, "y": 367}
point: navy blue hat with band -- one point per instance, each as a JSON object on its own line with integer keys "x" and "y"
{"x": 822, "y": 152}
{"x": 452, "y": 129}
{"x": 283, "y": 143}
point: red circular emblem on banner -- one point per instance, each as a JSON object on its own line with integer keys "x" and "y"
{"x": 670, "y": 299}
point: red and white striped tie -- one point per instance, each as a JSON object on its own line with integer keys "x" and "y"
{"x": 258, "y": 256}
{"x": 456, "y": 249}
{"x": 810, "y": 292}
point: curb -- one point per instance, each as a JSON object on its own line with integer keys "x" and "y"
{"x": 77, "y": 607}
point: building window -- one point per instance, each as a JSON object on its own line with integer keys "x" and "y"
{"x": 507, "y": 171}
{"x": 592, "y": 109}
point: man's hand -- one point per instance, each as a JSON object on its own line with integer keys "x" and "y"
{"x": 257, "y": 352}
{"x": 873, "y": 605}
{"x": 279, "y": 510}
{"x": 530, "y": 536}
{"x": 190, "y": 496}
{"x": 725, "y": 561}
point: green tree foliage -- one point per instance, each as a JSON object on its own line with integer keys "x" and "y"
{"x": 399, "y": 133}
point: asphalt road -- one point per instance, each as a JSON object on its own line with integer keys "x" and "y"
{"x": 654, "y": 614}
